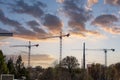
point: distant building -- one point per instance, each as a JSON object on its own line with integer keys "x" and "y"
{"x": 7, "y": 77}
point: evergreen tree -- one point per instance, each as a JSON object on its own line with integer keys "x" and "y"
{"x": 11, "y": 66}
{"x": 21, "y": 71}
{"x": 3, "y": 65}
{"x": 48, "y": 74}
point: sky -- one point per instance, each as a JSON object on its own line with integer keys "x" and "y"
{"x": 95, "y": 22}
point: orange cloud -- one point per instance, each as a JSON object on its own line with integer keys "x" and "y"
{"x": 107, "y": 23}
{"x": 43, "y": 60}
{"x": 90, "y": 3}
{"x": 60, "y": 1}
{"x": 4, "y": 43}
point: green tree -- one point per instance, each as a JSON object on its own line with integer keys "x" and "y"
{"x": 112, "y": 72}
{"x": 3, "y": 65}
{"x": 70, "y": 63}
{"x": 25, "y": 73}
{"x": 117, "y": 66}
{"x": 18, "y": 67}
{"x": 36, "y": 72}
{"x": 21, "y": 71}
{"x": 48, "y": 74}
{"x": 97, "y": 72}
{"x": 11, "y": 66}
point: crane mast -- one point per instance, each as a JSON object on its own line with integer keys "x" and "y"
{"x": 29, "y": 50}
{"x": 60, "y": 36}
{"x": 105, "y": 51}
{"x": 84, "y": 57}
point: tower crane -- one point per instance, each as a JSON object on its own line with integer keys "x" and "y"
{"x": 6, "y": 34}
{"x": 2, "y": 35}
{"x": 105, "y": 51}
{"x": 60, "y": 37}
{"x": 29, "y": 49}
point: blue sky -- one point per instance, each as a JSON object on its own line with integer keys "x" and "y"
{"x": 95, "y": 22}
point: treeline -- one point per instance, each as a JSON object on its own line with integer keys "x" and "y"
{"x": 68, "y": 69}
{"x": 10, "y": 67}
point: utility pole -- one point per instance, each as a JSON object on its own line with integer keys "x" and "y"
{"x": 60, "y": 58}
{"x": 84, "y": 62}
{"x": 84, "y": 56}
{"x": 29, "y": 49}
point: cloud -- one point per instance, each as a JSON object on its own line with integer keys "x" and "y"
{"x": 36, "y": 27}
{"x": 3, "y": 37}
{"x": 34, "y": 10}
{"x": 113, "y": 2}
{"x": 91, "y": 32}
{"x": 3, "y": 31}
{"x": 60, "y": 1}
{"x": 24, "y": 33}
{"x": 105, "y": 19}
{"x": 107, "y": 23}
{"x": 43, "y": 60}
{"x": 90, "y": 3}
{"x": 33, "y": 23}
{"x": 39, "y": 57}
{"x": 7, "y": 21}
{"x": 77, "y": 16}
{"x": 77, "y": 21}
{"x": 19, "y": 30}
{"x": 53, "y": 23}
{"x": 2, "y": 43}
